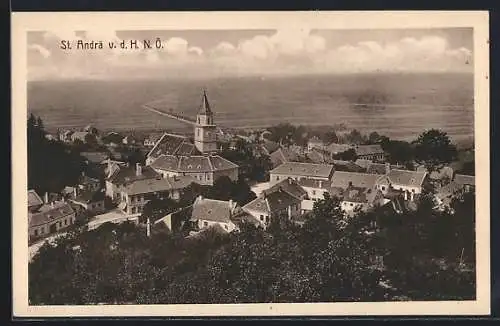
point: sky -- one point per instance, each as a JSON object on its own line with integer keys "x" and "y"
{"x": 222, "y": 53}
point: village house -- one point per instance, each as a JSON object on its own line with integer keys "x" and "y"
{"x": 50, "y": 218}
{"x": 343, "y": 180}
{"x": 112, "y": 139}
{"x": 210, "y": 212}
{"x": 440, "y": 176}
{"x": 91, "y": 201}
{"x": 283, "y": 155}
{"x": 34, "y": 201}
{"x": 297, "y": 171}
{"x": 370, "y": 152}
{"x": 410, "y": 183}
{"x": 283, "y": 199}
{"x": 118, "y": 175}
{"x": 135, "y": 194}
{"x": 204, "y": 169}
{"x": 315, "y": 142}
{"x": 354, "y": 199}
{"x": 315, "y": 189}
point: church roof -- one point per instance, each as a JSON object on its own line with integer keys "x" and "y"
{"x": 205, "y": 106}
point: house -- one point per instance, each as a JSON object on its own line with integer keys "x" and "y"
{"x": 80, "y": 136}
{"x": 355, "y": 199}
{"x": 315, "y": 189}
{"x": 465, "y": 181}
{"x": 210, "y": 212}
{"x": 442, "y": 176}
{"x": 91, "y": 201}
{"x": 117, "y": 176}
{"x": 34, "y": 201}
{"x": 409, "y": 182}
{"x": 343, "y": 180}
{"x": 50, "y": 218}
{"x": 314, "y": 142}
{"x": 369, "y": 152}
{"x": 152, "y": 139}
{"x": 284, "y": 199}
{"x": 283, "y": 155}
{"x": 136, "y": 193}
{"x": 297, "y": 171}
{"x": 205, "y": 169}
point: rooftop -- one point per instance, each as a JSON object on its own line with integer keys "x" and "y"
{"x": 147, "y": 186}
{"x": 48, "y": 213}
{"x": 172, "y": 144}
{"x": 406, "y": 177}
{"x": 192, "y": 163}
{"x": 34, "y": 199}
{"x": 304, "y": 169}
{"x": 288, "y": 185}
{"x": 272, "y": 202}
{"x": 342, "y": 179}
{"x": 213, "y": 210}
{"x": 368, "y": 150}
{"x": 121, "y": 175}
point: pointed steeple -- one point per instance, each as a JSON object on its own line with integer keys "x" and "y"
{"x": 205, "y": 106}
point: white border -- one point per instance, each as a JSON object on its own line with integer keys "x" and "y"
{"x": 24, "y": 22}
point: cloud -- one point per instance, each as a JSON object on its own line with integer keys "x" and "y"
{"x": 282, "y": 52}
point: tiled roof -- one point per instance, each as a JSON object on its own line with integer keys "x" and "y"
{"x": 282, "y": 155}
{"x": 463, "y": 179}
{"x": 347, "y": 166}
{"x": 311, "y": 183}
{"x": 48, "y": 213}
{"x": 147, "y": 186}
{"x": 440, "y": 174}
{"x": 273, "y": 202}
{"x": 79, "y": 135}
{"x": 205, "y": 106}
{"x": 360, "y": 195}
{"x": 368, "y": 150}
{"x": 193, "y": 163}
{"x": 290, "y": 186}
{"x": 363, "y": 163}
{"x": 343, "y": 179}
{"x": 304, "y": 169}
{"x": 212, "y": 210}
{"x": 406, "y": 177}
{"x": 127, "y": 174}
{"x": 34, "y": 199}
{"x": 171, "y": 144}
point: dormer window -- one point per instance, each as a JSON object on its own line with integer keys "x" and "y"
{"x": 190, "y": 166}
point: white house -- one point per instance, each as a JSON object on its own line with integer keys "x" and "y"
{"x": 210, "y": 212}
{"x": 298, "y": 171}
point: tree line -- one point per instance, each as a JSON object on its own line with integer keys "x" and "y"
{"x": 376, "y": 256}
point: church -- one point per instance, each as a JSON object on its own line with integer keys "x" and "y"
{"x": 176, "y": 155}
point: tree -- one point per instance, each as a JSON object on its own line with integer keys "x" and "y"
{"x": 157, "y": 208}
{"x": 349, "y": 155}
{"x": 398, "y": 151}
{"x": 374, "y": 138}
{"x": 329, "y": 137}
{"x": 434, "y": 149}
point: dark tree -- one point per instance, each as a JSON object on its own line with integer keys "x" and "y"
{"x": 434, "y": 149}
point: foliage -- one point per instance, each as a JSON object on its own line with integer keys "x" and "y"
{"x": 52, "y": 165}
{"x": 349, "y": 155}
{"x": 398, "y": 151}
{"x": 434, "y": 149}
{"x": 251, "y": 167}
{"x": 157, "y": 208}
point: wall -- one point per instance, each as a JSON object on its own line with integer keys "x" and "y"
{"x": 44, "y": 230}
{"x": 204, "y": 224}
{"x": 315, "y": 193}
{"x": 261, "y": 216}
{"x": 275, "y": 178}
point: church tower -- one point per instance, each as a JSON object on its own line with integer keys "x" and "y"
{"x": 205, "y": 135}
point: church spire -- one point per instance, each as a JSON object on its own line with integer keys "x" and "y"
{"x": 205, "y": 106}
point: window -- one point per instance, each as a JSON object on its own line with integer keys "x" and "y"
{"x": 314, "y": 192}
{"x": 262, "y": 217}
{"x": 383, "y": 187}
{"x": 225, "y": 226}
{"x": 205, "y": 223}
{"x": 36, "y": 232}
{"x": 65, "y": 222}
{"x": 277, "y": 178}
{"x": 351, "y": 204}
{"x": 267, "y": 219}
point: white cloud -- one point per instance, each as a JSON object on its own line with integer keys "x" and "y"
{"x": 283, "y": 52}
{"x": 44, "y": 52}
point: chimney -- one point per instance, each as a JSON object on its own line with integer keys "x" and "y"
{"x": 387, "y": 168}
{"x": 289, "y": 180}
{"x": 52, "y": 204}
{"x": 138, "y": 169}
{"x": 46, "y": 198}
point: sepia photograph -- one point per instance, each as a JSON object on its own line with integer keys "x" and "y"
{"x": 257, "y": 166}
